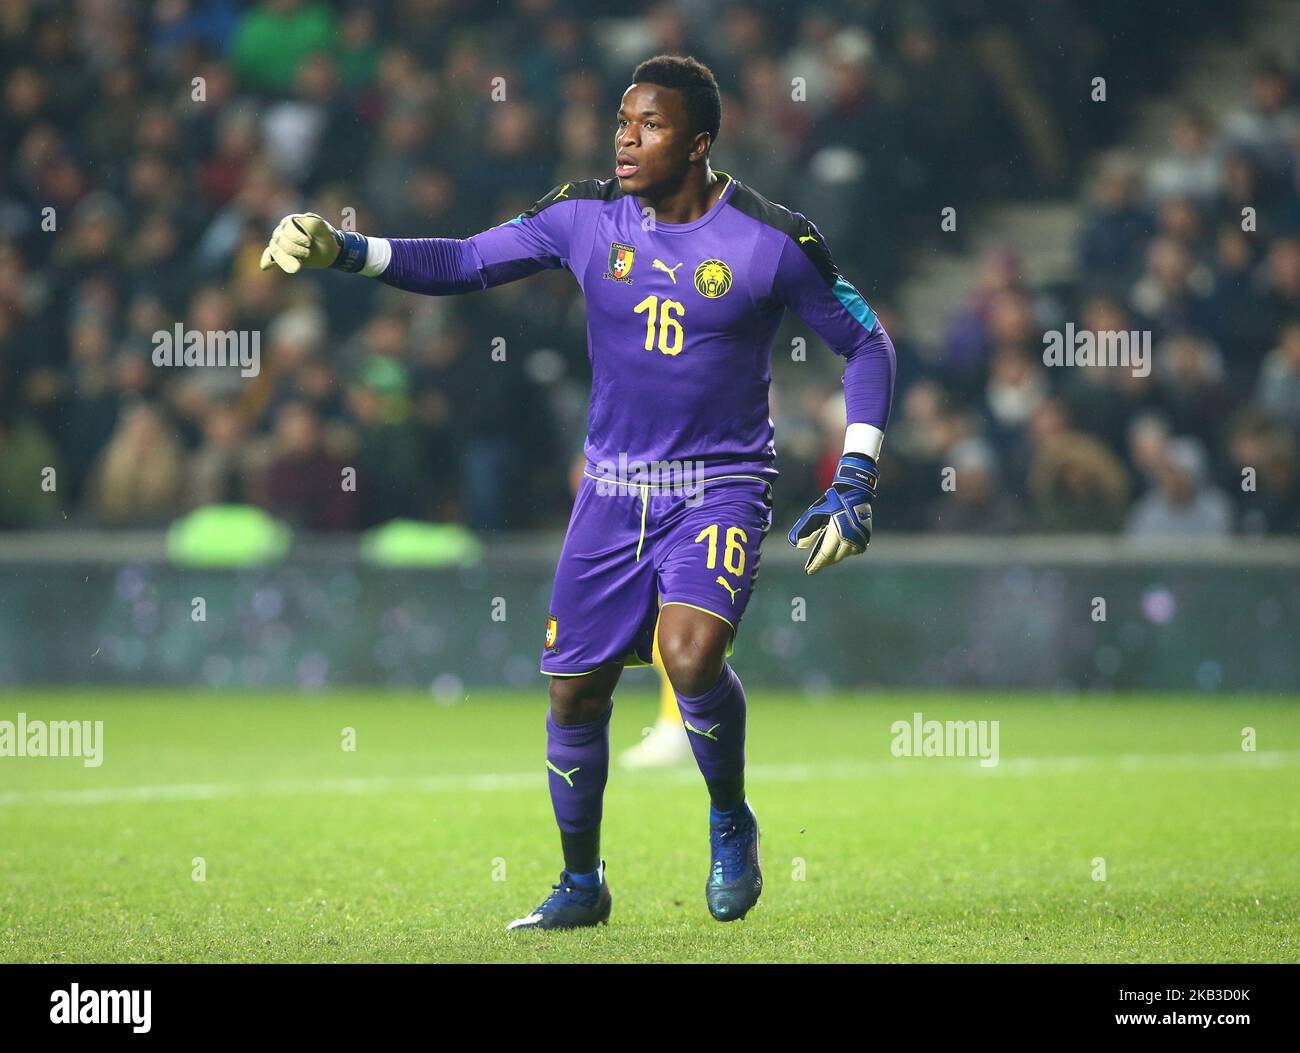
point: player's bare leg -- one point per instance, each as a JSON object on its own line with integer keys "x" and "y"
{"x": 693, "y": 644}
{"x": 665, "y": 745}
{"x": 577, "y": 762}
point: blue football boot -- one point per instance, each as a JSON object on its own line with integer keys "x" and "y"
{"x": 570, "y": 907}
{"x": 735, "y": 880}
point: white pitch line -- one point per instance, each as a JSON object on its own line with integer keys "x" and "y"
{"x": 794, "y": 773}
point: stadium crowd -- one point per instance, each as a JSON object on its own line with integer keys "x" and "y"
{"x": 1199, "y": 247}
{"x": 148, "y": 151}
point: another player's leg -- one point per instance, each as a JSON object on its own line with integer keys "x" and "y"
{"x": 665, "y": 745}
{"x": 577, "y": 764}
{"x": 694, "y": 645}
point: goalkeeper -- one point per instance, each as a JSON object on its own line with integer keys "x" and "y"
{"x": 682, "y": 315}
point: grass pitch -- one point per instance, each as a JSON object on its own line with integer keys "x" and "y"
{"x": 437, "y": 830}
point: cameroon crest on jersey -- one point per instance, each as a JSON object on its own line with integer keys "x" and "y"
{"x": 620, "y": 262}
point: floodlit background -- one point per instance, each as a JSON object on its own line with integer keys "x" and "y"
{"x": 1108, "y": 563}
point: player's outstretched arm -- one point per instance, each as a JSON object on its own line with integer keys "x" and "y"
{"x": 534, "y": 240}
{"x": 433, "y": 266}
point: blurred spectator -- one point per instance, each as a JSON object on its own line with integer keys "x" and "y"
{"x": 1183, "y": 503}
{"x": 1103, "y": 398}
{"x": 1190, "y": 385}
{"x": 925, "y": 426}
{"x": 1194, "y": 167}
{"x": 1266, "y": 129}
{"x": 390, "y": 458}
{"x": 1017, "y": 387}
{"x": 968, "y": 341}
{"x": 1278, "y": 393}
{"x": 139, "y": 478}
{"x": 1280, "y": 302}
{"x": 274, "y": 38}
{"x": 217, "y": 470}
{"x": 1267, "y": 466}
{"x": 26, "y": 453}
{"x": 1148, "y": 437}
{"x": 304, "y": 484}
{"x": 1173, "y": 292}
{"x": 979, "y": 504}
{"x": 1117, "y": 224}
{"x": 1075, "y": 484}
{"x": 1235, "y": 318}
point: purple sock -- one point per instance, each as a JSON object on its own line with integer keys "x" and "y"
{"x": 715, "y": 726}
{"x": 577, "y": 760}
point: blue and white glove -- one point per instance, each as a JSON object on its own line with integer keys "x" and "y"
{"x": 839, "y": 524}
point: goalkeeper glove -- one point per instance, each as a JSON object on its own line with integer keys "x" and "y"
{"x": 304, "y": 239}
{"x": 839, "y": 524}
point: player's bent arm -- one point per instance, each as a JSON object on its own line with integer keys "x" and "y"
{"x": 807, "y": 281}
{"x": 839, "y": 525}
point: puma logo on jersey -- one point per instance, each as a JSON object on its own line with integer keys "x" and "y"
{"x": 563, "y": 190}
{"x": 807, "y": 237}
{"x": 659, "y": 265}
{"x": 567, "y": 776}
{"x": 723, "y": 582}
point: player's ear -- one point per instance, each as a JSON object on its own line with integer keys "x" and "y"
{"x": 700, "y": 147}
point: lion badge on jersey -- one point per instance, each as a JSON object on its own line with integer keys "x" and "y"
{"x": 620, "y": 262}
{"x": 712, "y": 279}
{"x": 552, "y": 632}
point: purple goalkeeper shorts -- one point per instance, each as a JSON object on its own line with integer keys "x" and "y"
{"x": 630, "y": 550}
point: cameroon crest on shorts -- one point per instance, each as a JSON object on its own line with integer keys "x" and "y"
{"x": 552, "y": 631}
{"x": 620, "y": 261}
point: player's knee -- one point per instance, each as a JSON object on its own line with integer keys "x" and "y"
{"x": 576, "y": 700}
{"x": 693, "y": 661}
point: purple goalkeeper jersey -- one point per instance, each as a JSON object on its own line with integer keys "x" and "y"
{"x": 681, "y": 317}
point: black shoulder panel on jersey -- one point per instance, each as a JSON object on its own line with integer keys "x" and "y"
{"x": 583, "y": 189}
{"x": 795, "y": 226}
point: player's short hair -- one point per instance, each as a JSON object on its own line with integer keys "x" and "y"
{"x": 696, "y": 83}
